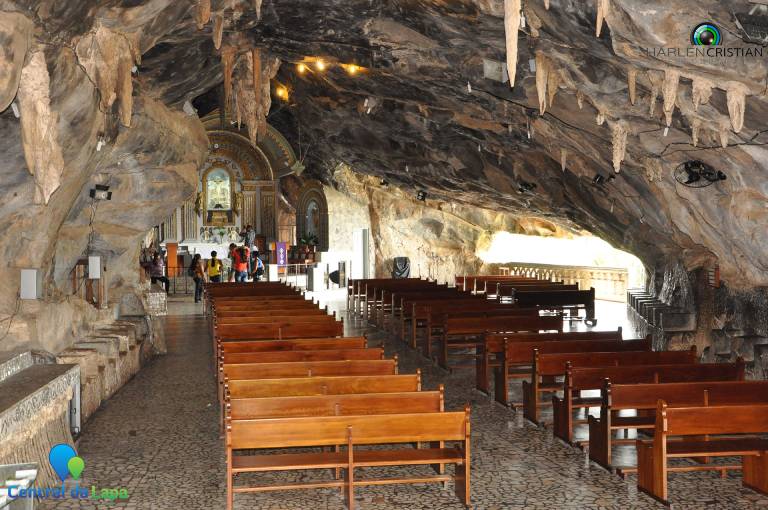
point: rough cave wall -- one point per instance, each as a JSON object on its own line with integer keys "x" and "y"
{"x": 84, "y": 119}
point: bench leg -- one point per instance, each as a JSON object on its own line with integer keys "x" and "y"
{"x": 599, "y": 441}
{"x": 755, "y": 472}
{"x": 462, "y": 479}
{"x": 230, "y": 493}
{"x": 349, "y": 485}
{"x": 530, "y": 402}
{"x": 501, "y": 385}
{"x": 651, "y": 472}
{"x": 563, "y": 417}
{"x": 481, "y": 370}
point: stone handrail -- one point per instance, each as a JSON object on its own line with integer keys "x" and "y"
{"x": 610, "y": 283}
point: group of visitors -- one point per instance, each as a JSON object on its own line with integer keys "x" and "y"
{"x": 245, "y": 263}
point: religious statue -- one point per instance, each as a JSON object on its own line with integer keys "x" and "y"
{"x": 199, "y": 203}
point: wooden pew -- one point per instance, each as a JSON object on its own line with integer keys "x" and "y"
{"x": 337, "y": 405}
{"x": 490, "y": 353}
{"x": 294, "y": 344}
{"x": 260, "y": 311}
{"x": 644, "y": 397}
{"x": 417, "y": 309}
{"x": 653, "y": 455}
{"x": 353, "y": 431}
{"x": 435, "y": 316}
{"x": 516, "y": 357}
{"x": 466, "y": 327}
{"x": 402, "y": 303}
{"x": 373, "y": 296}
{"x": 280, "y": 330}
{"x": 300, "y": 316}
{"x": 323, "y": 385}
{"x": 592, "y": 378}
{"x": 475, "y": 283}
{"x": 356, "y": 288}
{"x": 372, "y": 353}
{"x": 548, "y": 366}
{"x": 268, "y": 370}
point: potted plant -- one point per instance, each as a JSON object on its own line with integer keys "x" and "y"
{"x": 309, "y": 242}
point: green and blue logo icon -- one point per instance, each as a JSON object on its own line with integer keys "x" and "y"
{"x": 66, "y": 463}
{"x": 706, "y": 34}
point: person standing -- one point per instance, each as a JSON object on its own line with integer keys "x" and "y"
{"x": 249, "y": 238}
{"x": 214, "y": 268}
{"x": 231, "y": 257}
{"x": 258, "y": 271}
{"x": 197, "y": 272}
{"x": 157, "y": 271}
{"x": 240, "y": 259}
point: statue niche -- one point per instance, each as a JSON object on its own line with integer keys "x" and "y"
{"x": 218, "y": 197}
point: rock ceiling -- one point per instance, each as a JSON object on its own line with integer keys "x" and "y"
{"x": 588, "y": 100}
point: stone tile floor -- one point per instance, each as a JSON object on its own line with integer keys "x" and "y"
{"x": 158, "y": 437}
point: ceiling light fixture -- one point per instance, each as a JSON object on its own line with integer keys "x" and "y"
{"x": 301, "y": 68}
{"x": 320, "y": 65}
{"x": 352, "y": 69}
{"x": 282, "y": 92}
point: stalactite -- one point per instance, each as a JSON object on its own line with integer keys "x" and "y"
{"x": 600, "y": 118}
{"x": 656, "y": 81}
{"x": 619, "y": 138}
{"x": 125, "y": 89}
{"x": 580, "y": 99}
{"x": 542, "y": 78}
{"x": 203, "y": 13}
{"x": 737, "y": 99}
{"x": 669, "y": 92}
{"x": 563, "y": 158}
{"x": 701, "y": 91}
{"x": 602, "y": 12}
{"x": 256, "y": 67}
{"x": 632, "y": 83}
{"x": 553, "y": 82}
{"x": 511, "y": 27}
{"x": 257, "y": 8}
{"x": 228, "y": 54}
{"x": 546, "y": 4}
{"x": 218, "y": 30}
{"x": 723, "y": 132}
{"x": 39, "y": 125}
{"x": 695, "y": 130}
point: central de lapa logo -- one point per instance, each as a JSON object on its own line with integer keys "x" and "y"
{"x": 66, "y": 463}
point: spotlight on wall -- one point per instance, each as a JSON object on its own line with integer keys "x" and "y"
{"x": 282, "y": 92}
{"x": 301, "y": 68}
{"x": 100, "y": 192}
{"x": 320, "y": 65}
{"x": 421, "y": 195}
{"x": 351, "y": 69}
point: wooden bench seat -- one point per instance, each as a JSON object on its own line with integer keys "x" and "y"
{"x": 280, "y": 330}
{"x": 578, "y": 379}
{"x": 294, "y": 344}
{"x": 468, "y": 332}
{"x": 549, "y": 366}
{"x": 652, "y": 455}
{"x": 353, "y": 431}
{"x": 309, "y": 369}
{"x": 414, "y": 309}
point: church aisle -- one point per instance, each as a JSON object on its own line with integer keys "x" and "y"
{"x": 158, "y": 437}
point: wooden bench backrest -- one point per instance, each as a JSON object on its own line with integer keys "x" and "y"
{"x": 280, "y": 330}
{"x": 737, "y": 419}
{"x": 494, "y": 342}
{"x": 555, "y": 364}
{"x": 252, "y": 291}
{"x": 594, "y": 377}
{"x": 334, "y": 430}
{"x": 472, "y": 325}
{"x": 310, "y": 369}
{"x": 260, "y": 305}
{"x": 684, "y": 394}
{"x": 297, "y": 344}
{"x": 336, "y": 405}
{"x": 271, "y": 319}
{"x": 323, "y": 385}
{"x": 521, "y": 352}
{"x": 242, "y": 300}
{"x": 442, "y": 315}
{"x": 319, "y": 355}
{"x": 258, "y": 311}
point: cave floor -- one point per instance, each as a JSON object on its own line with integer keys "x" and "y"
{"x": 158, "y": 438}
